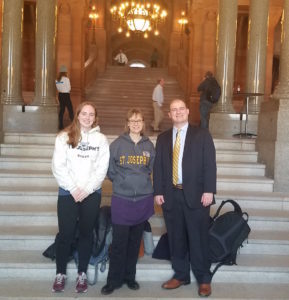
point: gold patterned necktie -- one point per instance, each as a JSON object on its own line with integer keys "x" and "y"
{"x": 176, "y": 154}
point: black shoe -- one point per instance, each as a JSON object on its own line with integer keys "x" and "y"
{"x": 107, "y": 289}
{"x": 132, "y": 284}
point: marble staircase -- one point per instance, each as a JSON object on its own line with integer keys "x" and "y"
{"x": 28, "y": 224}
{"x": 121, "y": 88}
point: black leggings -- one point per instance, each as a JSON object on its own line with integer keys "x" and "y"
{"x": 64, "y": 101}
{"x": 86, "y": 212}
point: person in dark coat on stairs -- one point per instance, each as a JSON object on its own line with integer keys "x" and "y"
{"x": 184, "y": 185}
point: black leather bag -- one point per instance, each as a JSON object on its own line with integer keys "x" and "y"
{"x": 226, "y": 234}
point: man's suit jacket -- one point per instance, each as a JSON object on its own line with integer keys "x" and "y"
{"x": 198, "y": 167}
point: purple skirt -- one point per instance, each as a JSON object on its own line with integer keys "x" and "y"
{"x": 129, "y": 212}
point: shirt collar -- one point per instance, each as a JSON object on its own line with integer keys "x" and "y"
{"x": 183, "y": 129}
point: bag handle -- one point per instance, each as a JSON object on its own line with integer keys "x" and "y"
{"x": 236, "y": 206}
{"x": 247, "y": 216}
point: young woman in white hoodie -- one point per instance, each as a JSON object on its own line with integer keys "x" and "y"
{"x": 79, "y": 164}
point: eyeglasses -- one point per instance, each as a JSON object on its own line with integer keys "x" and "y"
{"x": 135, "y": 121}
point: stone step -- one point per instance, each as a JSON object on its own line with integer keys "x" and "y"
{"x": 257, "y": 268}
{"x": 25, "y": 163}
{"x": 46, "y": 150}
{"x": 26, "y": 178}
{"x": 45, "y": 215}
{"x": 234, "y": 144}
{"x": 41, "y": 138}
{"x": 45, "y": 178}
{"x": 41, "y": 290}
{"x": 29, "y": 138}
{"x": 236, "y": 155}
{"x": 124, "y": 86}
{"x": 40, "y": 237}
{"x": 244, "y": 183}
{"x": 48, "y": 195}
{"x": 29, "y": 150}
{"x": 42, "y": 163}
{"x": 256, "y": 200}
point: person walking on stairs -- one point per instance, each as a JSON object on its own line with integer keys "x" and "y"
{"x": 158, "y": 100}
{"x": 205, "y": 104}
{"x": 131, "y": 162}
{"x": 184, "y": 178}
{"x": 154, "y": 58}
{"x": 79, "y": 165}
{"x": 63, "y": 87}
{"x": 121, "y": 58}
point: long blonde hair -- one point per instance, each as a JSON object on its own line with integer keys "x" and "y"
{"x": 73, "y": 130}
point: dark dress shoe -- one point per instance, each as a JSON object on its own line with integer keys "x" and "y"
{"x": 205, "y": 290}
{"x": 174, "y": 284}
{"x": 132, "y": 284}
{"x": 107, "y": 289}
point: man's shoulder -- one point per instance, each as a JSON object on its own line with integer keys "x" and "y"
{"x": 198, "y": 131}
{"x": 165, "y": 134}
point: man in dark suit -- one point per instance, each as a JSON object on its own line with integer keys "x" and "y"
{"x": 186, "y": 200}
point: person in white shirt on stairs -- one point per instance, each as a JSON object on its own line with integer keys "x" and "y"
{"x": 79, "y": 165}
{"x": 158, "y": 100}
{"x": 63, "y": 87}
{"x": 121, "y": 58}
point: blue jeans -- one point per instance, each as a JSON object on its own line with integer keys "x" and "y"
{"x": 205, "y": 107}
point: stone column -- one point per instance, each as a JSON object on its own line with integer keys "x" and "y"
{"x": 226, "y": 44}
{"x": 174, "y": 39}
{"x": 282, "y": 89}
{"x": 77, "y": 52}
{"x": 273, "y": 123}
{"x": 64, "y": 35}
{"x": 223, "y": 120}
{"x": 256, "y": 52}
{"x": 197, "y": 36}
{"x": 45, "y": 53}
{"x": 12, "y": 52}
{"x": 274, "y": 17}
{"x": 41, "y": 115}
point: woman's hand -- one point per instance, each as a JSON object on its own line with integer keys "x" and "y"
{"x": 79, "y": 195}
{"x": 159, "y": 199}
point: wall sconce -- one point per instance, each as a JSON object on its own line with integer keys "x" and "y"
{"x": 182, "y": 21}
{"x": 93, "y": 16}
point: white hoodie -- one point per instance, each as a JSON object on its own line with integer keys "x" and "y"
{"x": 84, "y": 166}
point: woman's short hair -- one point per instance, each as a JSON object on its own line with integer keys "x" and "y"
{"x": 130, "y": 113}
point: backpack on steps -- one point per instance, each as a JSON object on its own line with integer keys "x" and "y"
{"x": 226, "y": 235}
{"x": 102, "y": 238}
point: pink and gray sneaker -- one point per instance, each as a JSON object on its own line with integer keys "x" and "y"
{"x": 59, "y": 283}
{"x": 81, "y": 283}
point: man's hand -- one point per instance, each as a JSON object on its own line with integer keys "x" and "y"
{"x": 159, "y": 199}
{"x": 207, "y": 199}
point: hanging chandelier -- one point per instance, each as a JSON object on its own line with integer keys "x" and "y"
{"x": 138, "y": 16}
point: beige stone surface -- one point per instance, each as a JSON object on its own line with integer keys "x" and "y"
{"x": 33, "y": 119}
